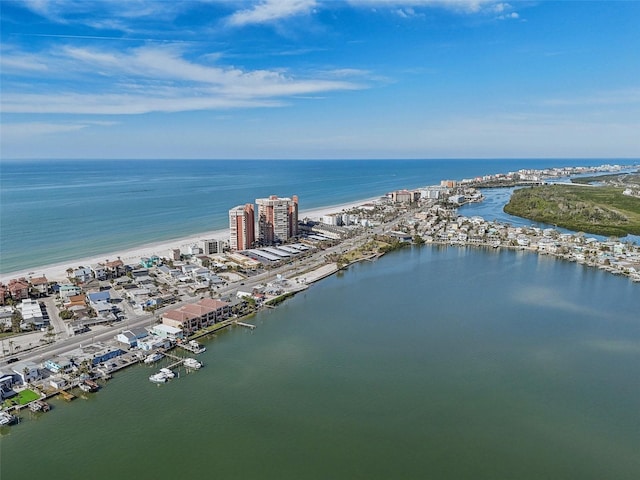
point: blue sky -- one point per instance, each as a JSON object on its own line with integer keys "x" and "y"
{"x": 319, "y": 79}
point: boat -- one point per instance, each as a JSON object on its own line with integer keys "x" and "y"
{"x": 168, "y": 372}
{"x": 7, "y": 419}
{"x": 88, "y": 385}
{"x": 159, "y": 377}
{"x": 154, "y": 357}
{"x": 94, "y": 387}
{"x": 39, "y": 406}
{"x": 192, "y": 363}
{"x": 195, "y": 347}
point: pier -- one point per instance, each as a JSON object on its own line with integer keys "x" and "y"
{"x": 177, "y": 360}
{"x": 246, "y": 325}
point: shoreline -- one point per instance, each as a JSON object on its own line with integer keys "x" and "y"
{"x": 57, "y": 271}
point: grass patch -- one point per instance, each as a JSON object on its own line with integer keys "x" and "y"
{"x": 24, "y": 397}
{"x": 599, "y": 210}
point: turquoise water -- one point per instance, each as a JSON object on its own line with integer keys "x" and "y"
{"x": 444, "y": 363}
{"x": 56, "y": 211}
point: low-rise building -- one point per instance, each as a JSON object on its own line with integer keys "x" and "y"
{"x": 68, "y": 290}
{"x": 26, "y": 372}
{"x": 40, "y": 285}
{"x": 131, "y": 337}
{"x": 193, "y": 317}
{"x": 18, "y": 289}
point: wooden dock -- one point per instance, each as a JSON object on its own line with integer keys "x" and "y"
{"x": 177, "y": 360}
{"x": 68, "y": 396}
{"x": 246, "y": 325}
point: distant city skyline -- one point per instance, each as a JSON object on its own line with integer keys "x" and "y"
{"x": 334, "y": 79}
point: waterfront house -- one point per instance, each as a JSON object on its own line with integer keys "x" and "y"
{"x": 58, "y": 382}
{"x": 18, "y": 289}
{"x": 115, "y": 268}
{"x": 166, "y": 331}
{"x": 99, "y": 353}
{"x": 82, "y": 274}
{"x": 152, "y": 342}
{"x": 59, "y": 364}
{"x": 99, "y": 271}
{"x": 40, "y": 286}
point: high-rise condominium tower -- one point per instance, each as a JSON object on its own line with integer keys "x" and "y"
{"x": 242, "y": 227}
{"x": 277, "y": 219}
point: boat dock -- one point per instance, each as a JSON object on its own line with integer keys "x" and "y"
{"x": 68, "y": 396}
{"x": 246, "y": 325}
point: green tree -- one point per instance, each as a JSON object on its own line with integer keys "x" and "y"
{"x": 16, "y": 320}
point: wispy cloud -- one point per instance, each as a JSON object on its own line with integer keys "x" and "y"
{"x": 613, "y": 97}
{"x": 23, "y": 130}
{"x": 271, "y": 10}
{"x": 158, "y": 78}
{"x": 406, "y": 7}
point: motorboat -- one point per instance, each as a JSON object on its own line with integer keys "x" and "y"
{"x": 159, "y": 377}
{"x": 168, "y": 372}
{"x": 6, "y": 418}
{"x": 154, "y": 357}
{"x": 192, "y": 363}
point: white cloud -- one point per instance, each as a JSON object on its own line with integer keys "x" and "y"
{"x": 271, "y": 10}
{"x": 158, "y": 78}
{"x": 613, "y": 97}
{"x": 20, "y": 131}
{"x": 459, "y": 6}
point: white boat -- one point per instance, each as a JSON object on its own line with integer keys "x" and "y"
{"x": 159, "y": 377}
{"x": 169, "y": 373}
{"x": 154, "y": 357}
{"x": 195, "y": 347}
{"x": 192, "y": 363}
{"x": 6, "y": 418}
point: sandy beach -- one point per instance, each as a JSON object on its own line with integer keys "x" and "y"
{"x": 57, "y": 272}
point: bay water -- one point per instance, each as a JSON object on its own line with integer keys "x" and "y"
{"x": 432, "y": 362}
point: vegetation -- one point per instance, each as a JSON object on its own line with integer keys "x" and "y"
{"x": 277, "y": 300}
{"x": 599, "y": 210}
{"x": 23, "y": 397}
{"x": 615, "y": 178}
{"x": 393, "y": 244}
{"x": 16, "y": 321}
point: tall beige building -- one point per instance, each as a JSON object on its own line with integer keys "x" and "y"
{"x": 242, "y": 227}
{"x": 277, "y": 219}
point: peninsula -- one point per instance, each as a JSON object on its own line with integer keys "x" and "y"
{"x": 85, "y": 322}
{"x": 602, "y": 210}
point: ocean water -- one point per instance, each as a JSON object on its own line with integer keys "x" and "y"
{"x": 57, "y": 211}
{"x": 432, "y": 362}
